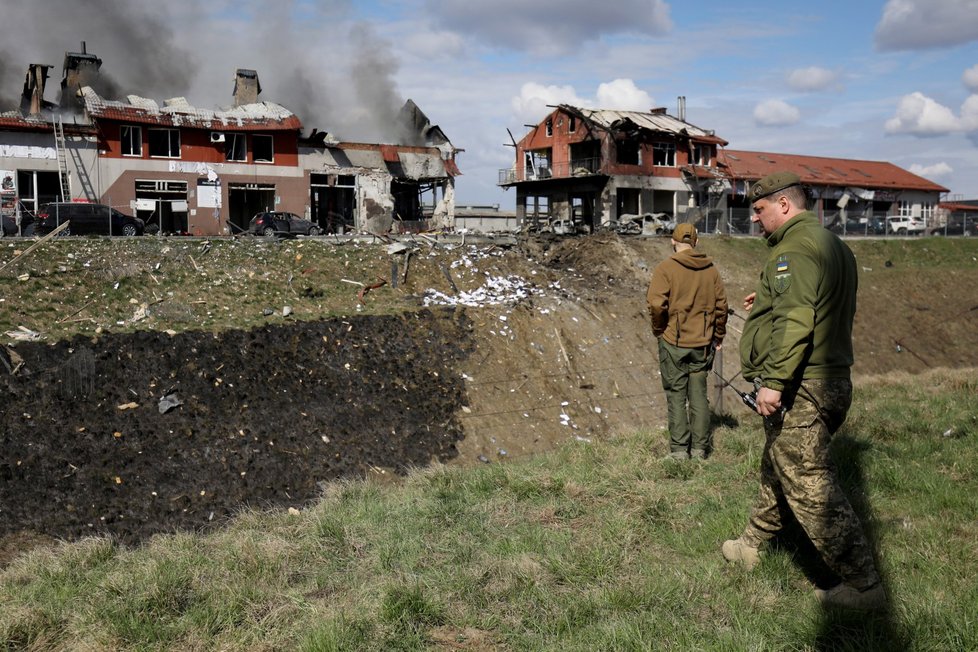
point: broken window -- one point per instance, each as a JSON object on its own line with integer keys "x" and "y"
{"x": 701, "y": 154}
{"x": 164, "y": 143}
{"x": 537, "y": 206}
{"x": 235, "y": 147}
{"x": 264, "y": 148}
{"x": 131, "y": 137}
{"x": 628, "y": 152}
{"x": 572, "y": 124}
{"x": 585, "y": 157}
{"x": 538, "y": 164}
{"x": 664, "y": 154}
{"x": 550, "y": 127}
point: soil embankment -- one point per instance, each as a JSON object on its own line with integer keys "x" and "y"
{"x": 133, "y": 434}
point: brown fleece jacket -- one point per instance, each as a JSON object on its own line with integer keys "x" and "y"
{"x": 687, "y": 302}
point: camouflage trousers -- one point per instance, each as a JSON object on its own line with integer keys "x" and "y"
{"x": 798, "y": 480}
{"x": 684, "y": 373}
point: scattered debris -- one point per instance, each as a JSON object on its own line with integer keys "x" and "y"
{"x": 367, "y": 288}
{"x": 11, "y": 360}
{"x": 168, "y": 402}
{"x": 23, "y": 334}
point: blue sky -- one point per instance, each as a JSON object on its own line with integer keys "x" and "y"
{"x": 894, "y": 80}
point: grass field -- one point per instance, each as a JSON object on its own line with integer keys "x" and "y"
{"x": 596, "y": 546}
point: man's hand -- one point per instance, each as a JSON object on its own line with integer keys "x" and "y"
{"x": 717, "y": 345}
{"x": 749, "y": 301}
{"x": 768, "y": 401}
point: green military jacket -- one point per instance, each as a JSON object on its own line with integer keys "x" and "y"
{"x": 800, "y": 326}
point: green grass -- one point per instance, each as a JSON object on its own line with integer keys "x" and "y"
{"x": 597, "y": 547}
{"x": 90, "y": 286}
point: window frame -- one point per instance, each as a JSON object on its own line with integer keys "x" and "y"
{"x": 231, "y": 141}
{"x": 255, "y": 148}
{"x": 126, "y": 143}
{"x": 171, "y": 135}
{"x": 664, "y": 150}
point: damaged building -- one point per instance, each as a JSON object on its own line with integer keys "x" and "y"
{"x": 380, "y": 188}
{"x": 595, "y": 167}
{"x": 184, "y": 169}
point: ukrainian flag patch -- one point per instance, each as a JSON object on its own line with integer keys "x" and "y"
{"x": 781, "y": 266}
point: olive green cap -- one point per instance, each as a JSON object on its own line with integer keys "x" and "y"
{"x": 771, "y": 184}
{"x": 684, "y": 232}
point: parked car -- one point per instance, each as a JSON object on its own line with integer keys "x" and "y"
{"x": 858, "y": 226}
{"x": 957, "y": 227}
{"x": 11, "y": 228}
{"x": 900, "y": 225}
{"x": 86, "y": 219}
{"x": 280, "y": 223}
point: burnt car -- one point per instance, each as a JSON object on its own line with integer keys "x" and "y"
{"x": 280, "y": 223}
{"x": 86, "y": 219}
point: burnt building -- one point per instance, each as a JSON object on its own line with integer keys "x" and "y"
{"x": 184, "y": 169}
{"x": 595, "y": 167}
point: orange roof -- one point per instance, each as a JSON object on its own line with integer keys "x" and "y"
{"x": 822, "y": 171}
{"x": 958, "y": 206}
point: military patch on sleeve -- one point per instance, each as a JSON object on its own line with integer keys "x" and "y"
{"x": 782, "y": 274}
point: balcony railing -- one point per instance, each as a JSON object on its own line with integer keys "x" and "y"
{"x": 577, "y": 168}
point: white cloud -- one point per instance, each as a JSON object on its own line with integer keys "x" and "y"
{"x": 624, "y": 95}
{"x": 534, "y": 100}
{"x": 970, "y": 78}
{"x": 776, "y": 113}
{"x": 921, "y": 115}
{"x": 811, "y": 79}
{"x": 920, "y": 24}
{"x": 969, "y": 114}
{"x": 935, "y": 171}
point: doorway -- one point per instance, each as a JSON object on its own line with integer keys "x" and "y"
{"x": 247, "y": 199}
{"x": 333, "y": 202}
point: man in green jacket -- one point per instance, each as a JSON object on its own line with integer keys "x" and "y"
{"x": 797, "y": 343}
{"x": 688, "y": 307}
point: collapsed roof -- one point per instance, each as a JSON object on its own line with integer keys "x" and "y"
{"x": 177, "y": 112}
{"x": 655, "y": 121}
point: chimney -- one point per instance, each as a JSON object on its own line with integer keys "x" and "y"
{"x": 32, "y": 98}
{"x": 681, "y": 108}
{"x": 80, "y": 69}
{"x": 246, "y": 87}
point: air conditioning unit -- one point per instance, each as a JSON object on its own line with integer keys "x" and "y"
{"x": 217, "y": 136}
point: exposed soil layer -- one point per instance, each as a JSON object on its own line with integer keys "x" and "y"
{"x": 266, "y": 416}
{"x": 269, "y": 414}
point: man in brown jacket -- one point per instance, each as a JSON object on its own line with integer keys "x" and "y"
{"x": 688, "y": 307}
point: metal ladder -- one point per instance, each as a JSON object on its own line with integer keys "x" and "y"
{"x": 63, "y": 177}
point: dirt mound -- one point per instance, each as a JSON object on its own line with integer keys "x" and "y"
{"x": 522, "y": 350}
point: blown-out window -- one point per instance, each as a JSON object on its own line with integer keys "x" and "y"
{"x": 235, "y": 147}
{"x": 664, "y": 154}
{"x": 164, "y": 143}
{"x": 131, "y": 137}
{"x": 264, "y": 148}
